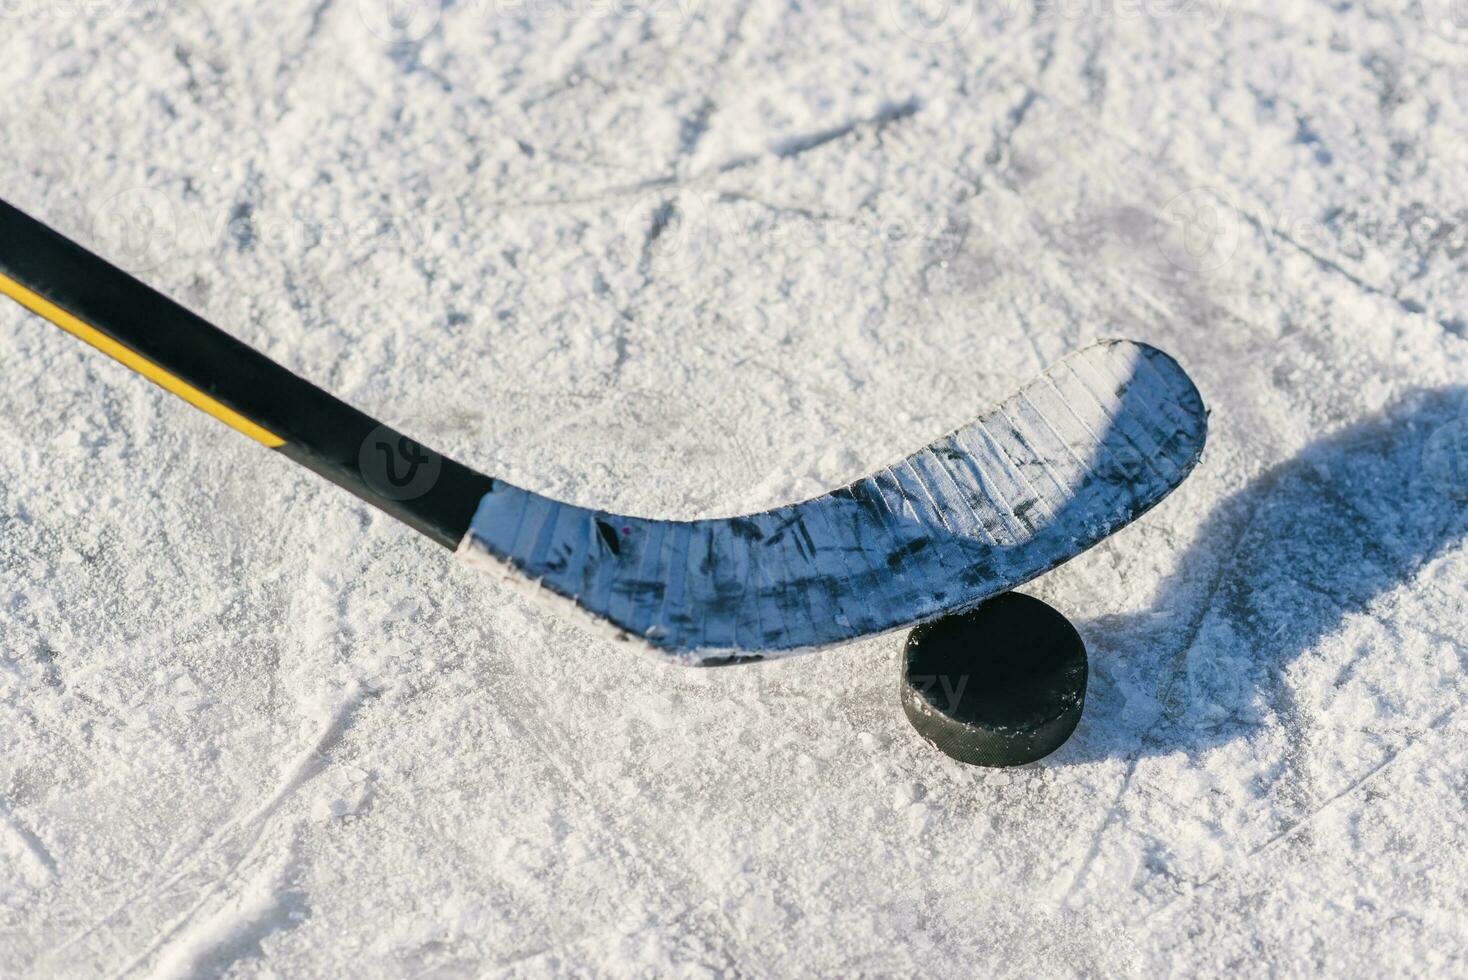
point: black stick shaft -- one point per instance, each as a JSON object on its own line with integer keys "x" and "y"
{"x": 150, "y": 333}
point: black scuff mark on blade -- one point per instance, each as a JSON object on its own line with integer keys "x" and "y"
{"x": 977, "y": 574}
{"x": 907, "y": 551}
{"x": 864, "y": 499}
{"x": 609, "y": 537}
{"x": 783, "y": 526}
{"x": 743, "y": 527}
{"x": 644, "y": 590}
{"x": 1022, "y": 514}
{"x": 562, "y": 558}
{"x": 731, "y": 660}
{"x": 800, "y": 547}
{"x": 711, "y": 557}
{"x": 810, "y": 542}
{"x": 792, "y": 601}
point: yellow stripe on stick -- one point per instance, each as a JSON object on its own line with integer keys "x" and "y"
{"x": 45, "y": 308}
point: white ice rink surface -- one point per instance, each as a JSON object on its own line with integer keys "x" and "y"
{"x": 693, "y": 259}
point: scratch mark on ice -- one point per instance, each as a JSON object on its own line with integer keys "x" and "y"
{"x": 300, "y": 770}
{"x": 1095, "y": 848}
{"x": 1349, "y": 789}
{"x": 210, "y": 944}
{"x": 25, "y": 848}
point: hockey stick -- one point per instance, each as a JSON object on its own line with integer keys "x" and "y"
{"x": 1068, "y": 459}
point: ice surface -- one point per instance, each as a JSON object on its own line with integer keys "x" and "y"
{"x": 694, "y": 259}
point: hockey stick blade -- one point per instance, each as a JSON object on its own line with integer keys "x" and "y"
{"x": 1068, "y": 459}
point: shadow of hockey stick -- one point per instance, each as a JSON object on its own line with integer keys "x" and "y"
{"x": 1279, "y": 567}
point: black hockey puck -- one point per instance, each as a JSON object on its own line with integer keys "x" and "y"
{"x": 1000, "y": 685}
